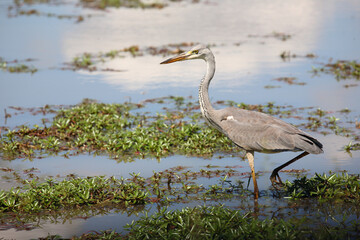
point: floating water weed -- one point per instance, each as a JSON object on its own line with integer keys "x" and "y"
{"x": 352, "y": 147}
{"x": 289, "y": 80}
{"x": 91, "y": 61}
{"x": 341, "y": 69}
{"x": 277, "y": 35}
{"x": 102, "y": 4}
{"x": 16, "y": 67}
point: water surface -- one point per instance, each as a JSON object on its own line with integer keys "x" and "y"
{"x": 247, "y": 56}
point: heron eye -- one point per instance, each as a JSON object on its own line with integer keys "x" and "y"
{"x": 195, "y": 51}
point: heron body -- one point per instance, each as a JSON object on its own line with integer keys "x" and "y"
{"x": 250, "y": 130}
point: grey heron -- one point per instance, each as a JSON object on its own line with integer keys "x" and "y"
{"x": 250, "y": 130}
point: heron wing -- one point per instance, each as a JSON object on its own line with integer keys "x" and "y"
{"x": 263, "y": 133}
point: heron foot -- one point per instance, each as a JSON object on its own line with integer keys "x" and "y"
{"x": 276, "y": 180}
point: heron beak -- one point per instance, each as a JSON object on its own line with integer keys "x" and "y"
{"x": 180, "y": 57}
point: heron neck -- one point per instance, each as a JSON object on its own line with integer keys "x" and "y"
{"x": 204, "y": 100}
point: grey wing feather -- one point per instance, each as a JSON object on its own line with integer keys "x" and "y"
{"x": 263, "y": 133}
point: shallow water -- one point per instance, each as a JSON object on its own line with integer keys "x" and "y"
{"x": 247, "y": 61}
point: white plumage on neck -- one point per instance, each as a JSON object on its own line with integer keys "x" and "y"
{"x": 204, "y": 100}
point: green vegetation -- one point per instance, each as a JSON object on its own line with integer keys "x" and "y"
{"x": 126, "y": 131}
{"x": 74, "y": 192}
{"x": 83, "y": 62}
{"x": 99, "y": 4}
{"x": 221, "y": 223}
{"x": 56, "y": 198}
{"x": 352, "y": 147}
{"x": 21, "y": 2}
{"x": 334, "y": 187}
{"x": 287, "y": 55}
{"x": 289, "y": 80}
{"x": 341, "y": 69}
{"x": 102, "y": 4}
{"x": 277, "y": 35}
{"x": 90, "y": 61}
{"x": 177, "y": 185}
{"x": 209, "y": 223}
{"x": 15, "y": 67}
{"x": 218, "y": 222}
{"x": 129, "y": 130}
{"x": 112, "y": 129}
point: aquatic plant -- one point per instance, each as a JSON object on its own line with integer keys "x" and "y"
{"x": 342, "y": 69}
{"x": 219, "y": 222}
{"x": 166, "y": 187}
{"x": 74, "y": 192}
{"x": 83, "y": 62}
{"x": 289, "y": 80}
{"x": 339, "y": 187}
{"x": 126, "y": 131}
{"x": 352, "y": 147}
{"x": 16, "y": 67}
{"x": 287, "y": 55}
{"x": 112, "y": 129}
{"x": 91, "y": 61}
{"x": 178, "y": 185}
{"x": 102, "y": 4}
{"x": 277, "y": 35}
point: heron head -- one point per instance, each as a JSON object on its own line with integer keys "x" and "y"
{"x": 197, "y": 52}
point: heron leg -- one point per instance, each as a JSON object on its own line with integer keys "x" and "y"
{"x": 250, "y": 157}
{"x": 275, "y": 178}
